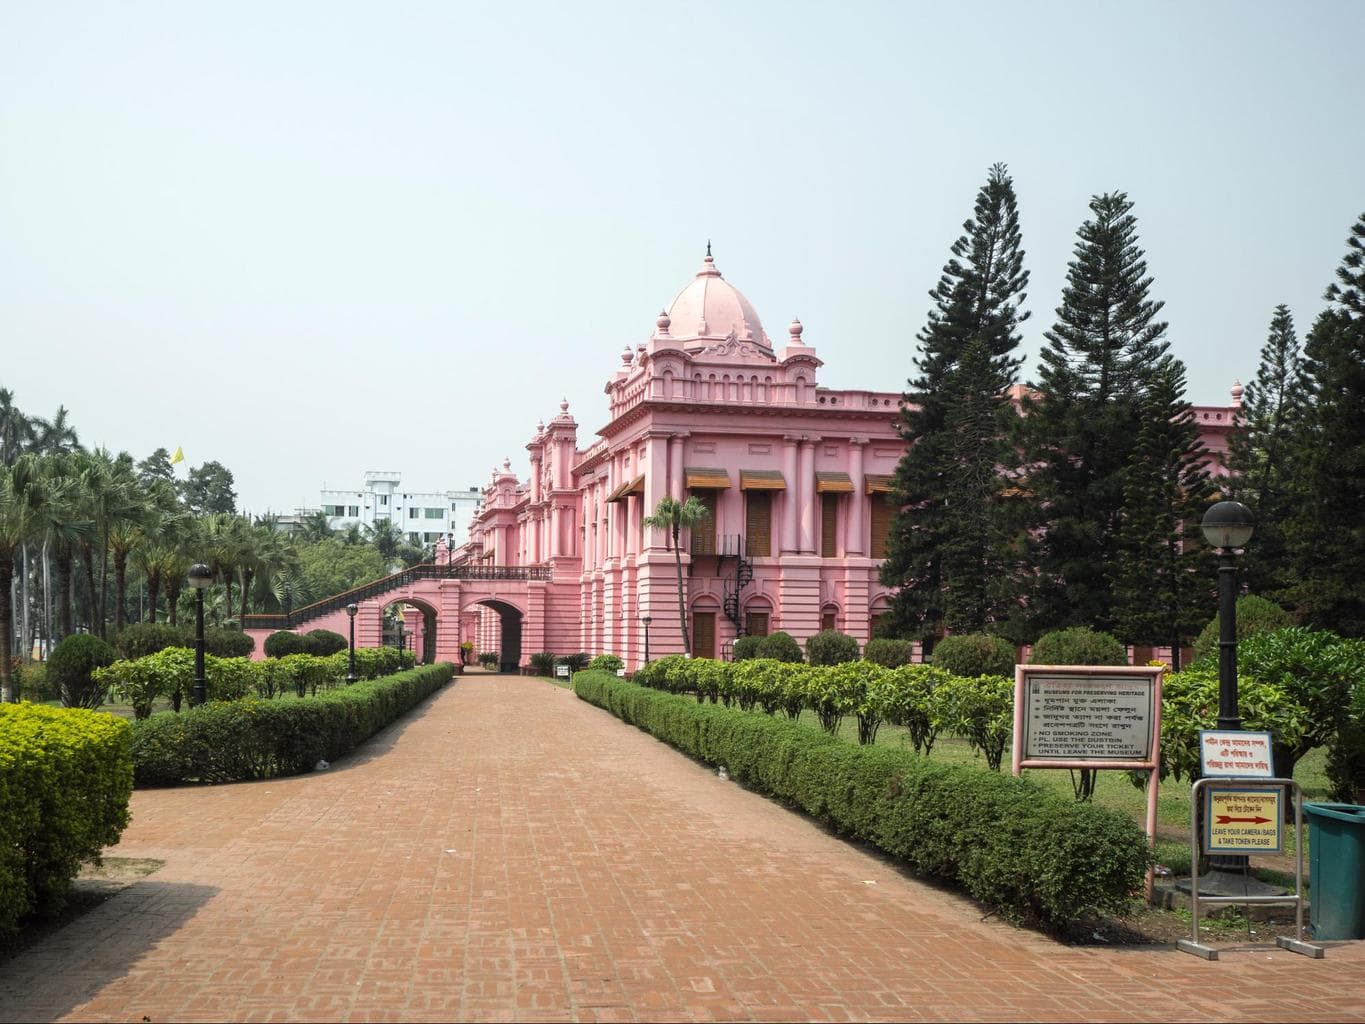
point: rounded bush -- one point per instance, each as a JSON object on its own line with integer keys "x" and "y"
{"x": 1078, "y": 645}
{"x": 576, "y": 662}
{"x": 144, "y": 638}
{"x": 285, "y": 643}
{"x": 746, "y": 647}
{"x": 975, "y": 654}
{"x": 323, "y": 642}
{"x": 830, "y": 647}
{"x": 1254, "y": 615}
{"x": 70, "y": 665}
{"x": 607, "y": 663}
{"x": 227, "y": 643}
{"x": 888, "y": 652}
{"x": 780, "y": 647}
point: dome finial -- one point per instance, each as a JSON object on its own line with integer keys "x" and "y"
{"x": 795, "y": 331}
{"x": 1237, "y": 392}
{"x": 663, "y": 322}
{"x": 708, "y": 248}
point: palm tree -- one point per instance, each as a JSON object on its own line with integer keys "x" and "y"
{"x": 675, "y": 516}
{"x": 22, "y": 505}
{"x": 16, "y": 429}
{"x": 314, "y": 527}
{"x": 385, "y": 536}
{"x": 156, "y": 538}
{"x": 61, "y": 533}
{"x": 112, "y": 499}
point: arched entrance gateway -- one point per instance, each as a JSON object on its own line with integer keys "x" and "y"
{"x": 795, "y": 477}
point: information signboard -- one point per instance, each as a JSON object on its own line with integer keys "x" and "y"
{"x": 1243, "y": 819}
{"x": 562, "y": 671}
{"x": 1098, "y": 716}
{"x": 1229, "y": 754}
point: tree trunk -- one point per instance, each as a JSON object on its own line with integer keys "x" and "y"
{"x": 246, "y": 591}
{"x": 104, "y": 589}
{"x": 120, "y": 590}
{"x": 94, "y": 609}
{"x": 153, "y": 592}
{"x": 682, "y": 602}
{"x": 25, "y": 641}
{"x": 63, "y": 594}
{"x": 6, "y": 627}
{"x": 173, "y": 599}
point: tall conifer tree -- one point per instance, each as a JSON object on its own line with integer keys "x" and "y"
{"x": 1264, "y": 475}
{"x": 948, "y": 549}
{"x": 1094, "y": 381}
{"x": 1164, "y": 572}
{"x": 1327, "y": 531}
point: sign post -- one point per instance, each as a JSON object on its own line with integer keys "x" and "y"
{"x": 1090, "y": 716}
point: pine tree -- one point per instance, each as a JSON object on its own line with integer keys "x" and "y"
{"x": 1263, "y": 475}
{"x": 1164, "y": 573}
{"x": 1327, "y": 531}
{"x": 945, "y": 551}
{"x": 1081, "y": 431}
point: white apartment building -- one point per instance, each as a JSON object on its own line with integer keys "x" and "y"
{"x": 424, "y": 517}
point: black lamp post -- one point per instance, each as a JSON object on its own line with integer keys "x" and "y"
{"x": 400, "y": 636}
{"x": 351, "y": 609}
{"x": 646, "y": 620}
{"x": 201, "y": 578}
{"x": 1227, "y": 526}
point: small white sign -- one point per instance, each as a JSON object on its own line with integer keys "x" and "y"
{"x": 562, "y": 671}
{"x": 1228, "y": 754}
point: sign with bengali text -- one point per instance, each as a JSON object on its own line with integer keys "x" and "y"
{"x": 1232, "y": 754}
{"x": 1243, "y": 819}
{"x": 1096, "y": 716}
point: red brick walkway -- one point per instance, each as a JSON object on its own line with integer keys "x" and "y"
{"x": 509, "y": 852}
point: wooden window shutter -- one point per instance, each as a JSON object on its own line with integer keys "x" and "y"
{"x": 756, "y": 623}
{"x": 829, "y": 525}
{"x": 827, "y": 619}
{"x": 758, "y": 524}
{"x": 703, "y": 634}
{"x": 704, "y": 533}
{"x": 881, "y": 524}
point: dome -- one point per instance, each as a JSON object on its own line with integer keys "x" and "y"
{"x": 711, "y": 309}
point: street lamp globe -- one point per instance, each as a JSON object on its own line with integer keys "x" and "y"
{"x": 351, "y": 609}
{"x": 200, "y": 576}
{"x": 1227, "y": 525}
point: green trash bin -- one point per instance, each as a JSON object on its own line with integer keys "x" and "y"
{"x": 1336, "y": 864}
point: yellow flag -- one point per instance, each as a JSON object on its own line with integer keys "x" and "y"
{"x": 179, "y": 456}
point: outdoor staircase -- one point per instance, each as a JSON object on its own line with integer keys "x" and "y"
{"x": 732, "y": 546}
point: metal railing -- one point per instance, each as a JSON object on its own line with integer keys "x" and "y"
{"x": 402, "y": 578}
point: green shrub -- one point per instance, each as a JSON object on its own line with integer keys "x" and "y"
{"x": 227, "y": 643}
{"x": 910, "y": 703}
{"x": 1005, "y": 841}
{"x": 144, "y": 638}
{"x": 31, "y": 682}
{"x": 543, "y": 663}
{"x": 65, "y": 780}
{"x": 71, "y": 666}
{"x": 284, "y": 643}
{"x": 746, "y": 647}
{"x": 1189, "y": 703}
{"x": 1078, "y": 645}
{"x": 576, "y": 662}
{"x": 980, "y": 710}
{"x": 889, "y": 653}
{"x": 779, "y": 646}
{"x": 1346, "y": 755}
{"x": 323, "y": 642}
{"x": 254, "y": 739}
{"x": 488, "y": 659}
{"x": 830, "y": 647}
{"x": 607, "y": 663}
{"x": 974, "y": 654}
{"x": 1254, "y": 615}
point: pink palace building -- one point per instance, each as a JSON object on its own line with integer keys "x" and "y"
{"x": 795, "y": 476}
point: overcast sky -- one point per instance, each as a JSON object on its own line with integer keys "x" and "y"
{"x": 311, "y": 239}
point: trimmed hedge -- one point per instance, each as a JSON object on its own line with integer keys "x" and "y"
{"x": 1006, "y": 841}
{"x": 65, "y": 779}
{"x": 259, "y": 739}
{"x": 974, "y": 654}
{"x": 1078, "y": 645}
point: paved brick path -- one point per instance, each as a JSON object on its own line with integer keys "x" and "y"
{"x": 512, "y": 853}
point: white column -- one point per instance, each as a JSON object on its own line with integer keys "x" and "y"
{"x": 853, "y": 524}
{"x": 805, "y": 490}
{"x": 790, "y": 498}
